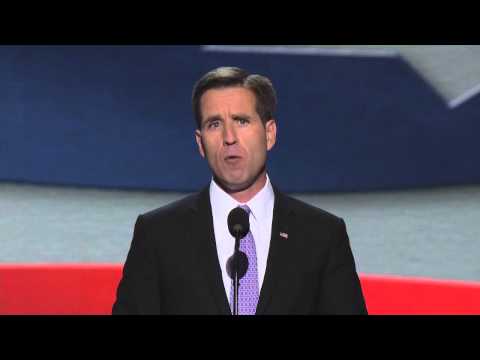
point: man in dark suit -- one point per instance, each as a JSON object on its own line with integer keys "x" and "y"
{"x": 300, "y": 260}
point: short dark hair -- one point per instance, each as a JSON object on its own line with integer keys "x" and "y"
{"x": 223, "y": 77}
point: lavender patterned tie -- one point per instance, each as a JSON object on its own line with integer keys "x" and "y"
{"x": 248, "y": 289}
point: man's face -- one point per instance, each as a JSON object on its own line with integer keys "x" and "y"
{"x": 233, "y": 138}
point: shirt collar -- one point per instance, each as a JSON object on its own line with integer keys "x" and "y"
{"x": 259, "y": 205}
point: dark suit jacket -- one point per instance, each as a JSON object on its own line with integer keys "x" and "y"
{"x": 172, "y": 266}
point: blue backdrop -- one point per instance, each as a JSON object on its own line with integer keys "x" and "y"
{"x": 120, "y": 117}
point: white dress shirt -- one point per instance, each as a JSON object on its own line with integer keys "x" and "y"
{"x": 261, "y": 216}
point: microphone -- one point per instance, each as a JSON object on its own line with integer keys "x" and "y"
{"x": 242, "y": 263}
{"x": 238, "y": 223}
{"x": 237, "y": 264}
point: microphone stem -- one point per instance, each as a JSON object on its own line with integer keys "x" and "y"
{"x": 236, "y": 280}
{"x": 235, "y": 295}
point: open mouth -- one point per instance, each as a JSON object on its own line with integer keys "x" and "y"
{"x": 232, "y": 159}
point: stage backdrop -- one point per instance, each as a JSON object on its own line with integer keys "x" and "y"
{"x": 120, "y": 117}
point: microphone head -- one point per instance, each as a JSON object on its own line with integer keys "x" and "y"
{"x": 238, "y": 223}
{"x": 242, "y": 265}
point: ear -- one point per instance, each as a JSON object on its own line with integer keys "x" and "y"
{"x": 271, "y": 132}
{"x": 198, "y": 138}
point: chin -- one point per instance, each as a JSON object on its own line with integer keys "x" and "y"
{"x": 234, "y": 185}
{"x": 237, "y": 185}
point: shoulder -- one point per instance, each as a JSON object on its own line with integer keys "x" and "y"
{"x": 309, "y": 212}
{"x": 173, "y": 211}
{"x": 168, "y": 220}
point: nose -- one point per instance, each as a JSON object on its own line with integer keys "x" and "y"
{"x": 229, "y": 135}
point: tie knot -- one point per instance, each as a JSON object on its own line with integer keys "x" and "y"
{"x": 246, "y": 208}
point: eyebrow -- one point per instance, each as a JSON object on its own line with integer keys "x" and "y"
{"x": 241, "y": 116}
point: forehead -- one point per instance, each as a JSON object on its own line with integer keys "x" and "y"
{"x": 227, "y": 99}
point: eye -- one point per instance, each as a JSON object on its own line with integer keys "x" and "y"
{"x": 243, "y": 121}
{"x": 213, "y": 124}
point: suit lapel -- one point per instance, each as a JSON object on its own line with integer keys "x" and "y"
{"x": 203, "y": 235}
{"x": 278, "y": 253}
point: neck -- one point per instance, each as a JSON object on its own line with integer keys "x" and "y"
{"x": 244, "y": 195}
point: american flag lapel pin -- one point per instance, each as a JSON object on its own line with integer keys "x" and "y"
{"x": 284, "y": 235}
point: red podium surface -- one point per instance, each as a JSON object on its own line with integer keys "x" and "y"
{"x": 90, "y": 289}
